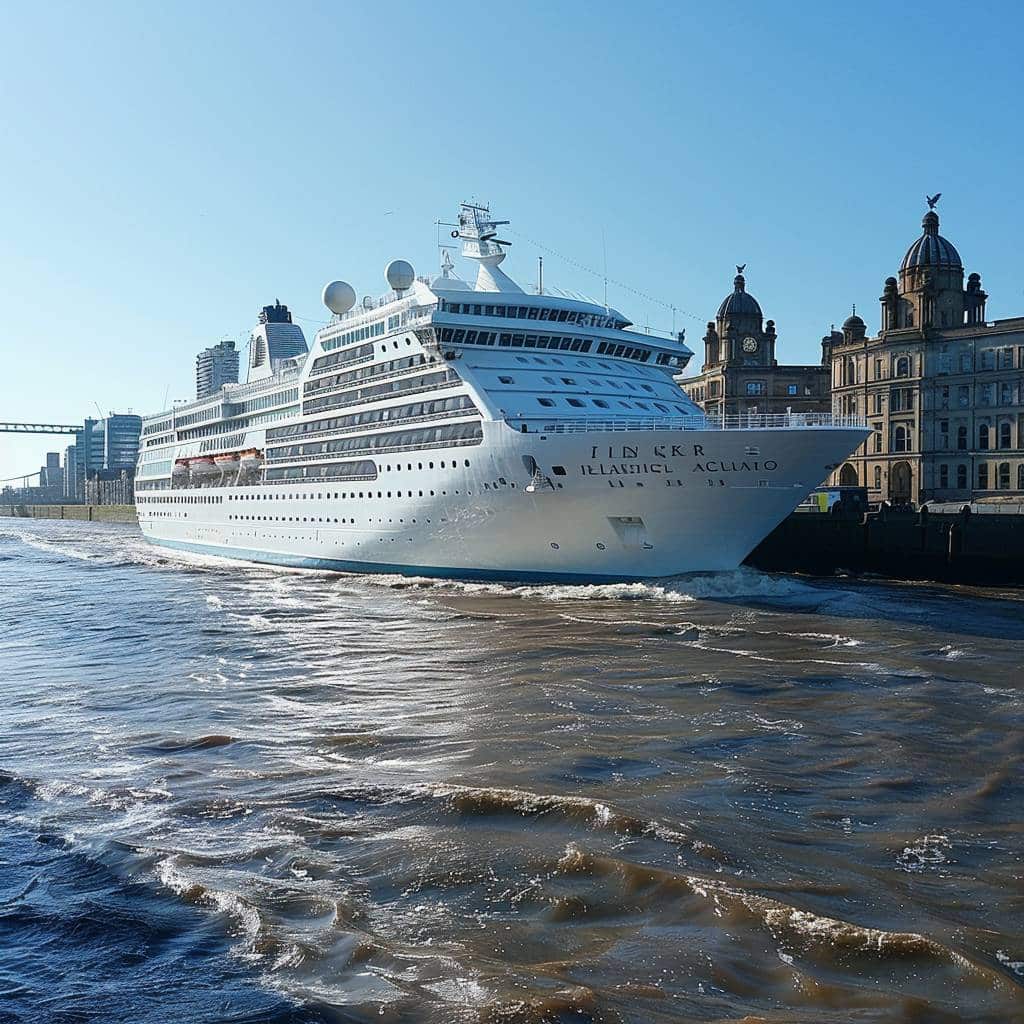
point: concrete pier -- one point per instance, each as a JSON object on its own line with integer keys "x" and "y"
{"x": 957, "y": 547}
{"x": 82, "y": 513}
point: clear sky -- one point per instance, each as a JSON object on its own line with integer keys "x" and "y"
{"x": 166, "y": 169}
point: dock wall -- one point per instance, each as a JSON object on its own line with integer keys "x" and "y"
{"x": 953, "y": 548}
{"x": 83, "y": 513}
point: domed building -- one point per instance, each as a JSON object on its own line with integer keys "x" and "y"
{"x": 741, "y": 374}
{"x": 942, "y": 388}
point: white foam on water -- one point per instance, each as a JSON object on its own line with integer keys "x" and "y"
{"x": 925, "y": 853}
{"x": 1017, "y": 966}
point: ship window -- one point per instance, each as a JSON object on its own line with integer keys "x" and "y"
{"x": 568, "y": 380}
{"x": 575, "y": 402}
{"x": 600, "y": 403}
{"x": 546, "y": 402}
{"x": 505, "y": 380}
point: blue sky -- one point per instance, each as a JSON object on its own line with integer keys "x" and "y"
{"x": 168, "y": 169}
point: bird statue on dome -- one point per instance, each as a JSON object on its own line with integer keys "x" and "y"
{"x": 740, "y": 268}
{"x": 932, "y": 200}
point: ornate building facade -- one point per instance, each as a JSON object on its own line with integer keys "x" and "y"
{"x": 942, "y": 388}
{"x": 741, "y": 374}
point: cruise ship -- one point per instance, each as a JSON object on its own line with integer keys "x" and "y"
{"x": 473, "y": 430}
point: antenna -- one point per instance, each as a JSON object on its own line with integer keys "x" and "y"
{"x": 604, "y": 251}
{"x": 540, "y": 275}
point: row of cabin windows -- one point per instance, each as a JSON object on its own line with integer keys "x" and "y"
{"x": 359, "y": 334}
{"x": 365, "y": 469}
{"x": 600, "y": 403}
{"x": 572, "y": 382}
{"x": 455, "y": 433}
{"x": 225, "y": 426}
{"x": 368, "y": 372}
{"x": 451, "y": 336}
{"x": 426, "y": 382}
{"x": 562, "y": 316}
{"x": 390, "y": 414}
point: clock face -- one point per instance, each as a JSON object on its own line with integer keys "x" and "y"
{"x": 750, "y": 344}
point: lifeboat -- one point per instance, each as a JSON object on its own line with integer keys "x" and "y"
{"x": 226, "y": 460}
{"x": 202, "y": 466}
{"x": 251, "y": 458}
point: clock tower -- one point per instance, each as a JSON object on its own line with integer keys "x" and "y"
{"x": 741, "y": 375}
{"x": 739, "y": 336}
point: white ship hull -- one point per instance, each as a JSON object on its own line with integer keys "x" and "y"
{"x": 635, "y": 504}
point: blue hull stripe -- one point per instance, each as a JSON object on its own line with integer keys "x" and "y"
{"x": 438, "y": 572}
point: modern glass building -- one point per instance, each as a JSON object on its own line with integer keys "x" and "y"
{"x": 216, "y": 367}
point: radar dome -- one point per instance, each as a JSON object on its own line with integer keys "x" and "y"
{"x": 339, "y": 297}
{"x": 400, "y": 274}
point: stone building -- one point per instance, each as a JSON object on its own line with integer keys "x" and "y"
{"x": 741, "y": 374}
{"x": 942, "y": 389}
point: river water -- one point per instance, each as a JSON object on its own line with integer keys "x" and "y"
{"x": 235, "y": 794}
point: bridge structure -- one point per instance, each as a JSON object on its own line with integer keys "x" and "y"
{"x": 40, "y": 428}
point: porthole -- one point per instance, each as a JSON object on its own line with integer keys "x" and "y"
{"x": 554, "y": 545}
{"x": 599, "y": 546}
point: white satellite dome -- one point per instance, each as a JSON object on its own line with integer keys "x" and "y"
{"x": 400, "y": 275}
{"x": 339, "y": 297}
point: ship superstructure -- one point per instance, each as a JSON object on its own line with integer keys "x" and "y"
{"x": 473, "y": 430}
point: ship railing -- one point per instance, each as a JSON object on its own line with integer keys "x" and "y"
{"x": 741, "y": 421}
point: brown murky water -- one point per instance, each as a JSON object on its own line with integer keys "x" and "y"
{"x": 387, "y": 800}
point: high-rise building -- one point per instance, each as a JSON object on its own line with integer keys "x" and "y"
{"x": 70, "y": 473}
{"x": 215, "y": 367}
{"x": 121, "y": 433}
{"x": 942, "y": 387}
{"x": 50, "y": 474}
{"x": 89, "y": 444}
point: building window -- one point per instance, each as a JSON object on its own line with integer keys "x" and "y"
{"x": 963, "y": 396}
{"x": 961, "y": 477}
{"x": 903, "y": 367}
{"x": 944, "y": 397}
{"x": 943, "y": 475}
{"x": 986, "y": 394}
{"x": 983, "y": 437}
{"x": 877, "y": 410}
{"x": 878, "y": 369}
{"x": 878, "y": 478}
{"x": 901, "y": 439}
{"x": 792, "y": 389}
{"x": 1004, "y": 434}
{"x": 965, "y": 362}
{"x": 1020, "y": 477}
{"x": 983, "y": 476}
{"x": 1003, "y": 476}
{"x": 877, "y": 427}
{"x": 1006, "y": 359}
{"x": 755, "y": 387}
{"x": 901, "y": 399}
{"x": 988, "y": 359}
{"x": 944, "y": 434}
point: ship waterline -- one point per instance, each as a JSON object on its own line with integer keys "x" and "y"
{"x": 473, "y": 431}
